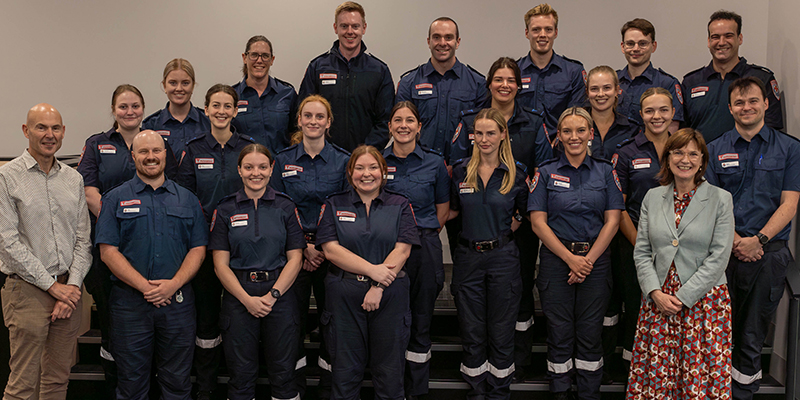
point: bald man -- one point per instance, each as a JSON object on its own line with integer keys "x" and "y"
{"x": 152, "y": 235}
{"x": 45, "y": 250}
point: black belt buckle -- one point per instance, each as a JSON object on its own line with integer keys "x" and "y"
{"x": 486, "y": 245}
{"x": 578, "y": 248}
{"x": 259, "y": 276}
{"x": 311, "y": 237}
{"x": 362, "y": 278}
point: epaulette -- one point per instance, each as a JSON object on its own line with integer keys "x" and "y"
{"x": 411, "y": 70}
{"x": 337, "y": 193}
{"x": 94, "y": 135}
{"x": 534, "y": 111}
{"x": 232, "y": 195}
{"x": 571, "y": 60}
{"x": 396, "y": 194}
{"x": 113, "y": 187}
{"x": 475, "y": 71}
{"x": 554, "y": 159}
{"x": 460, "y": 161}
{"x": 694, "y": 71}
{"x": 666, "y": 73}
{"x": 248, "y": 138}
{"x": 277, "y": 193}
{"x": 196, "y": 138}
{"x": 625, "y": 142}
{"x": 599, "y": 159}
{"x": 325, "y": 54}
{"x": 285, "y": 149}
{"x": 522, "y": 167}
{"x": 764, "y": 69}
{"x": 155, "y": 114}
{"x": 335, "y": 146}
{"x": 432, "y": 151}
{"x": 381, "y": 61}
{"x": 785, "y": 134}
{"x": 464, "y": 113}
{"x": 283, "y": 82}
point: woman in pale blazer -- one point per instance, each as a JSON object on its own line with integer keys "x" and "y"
{"x": 685, "y": 235}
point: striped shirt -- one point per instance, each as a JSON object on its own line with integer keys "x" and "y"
{"x": 44, "y": 223}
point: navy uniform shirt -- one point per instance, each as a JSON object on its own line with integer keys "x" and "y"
{"x": 529, "y": 142}
{"x": 269, "y": 119}
{"x": 631, "y": 91}
{"x": 560, "y": 85}
{"x": 257, "y": 239}
{"x": 308, "y": 181}
{"x": 210, "y": 170}
{"x": 153, "y": 229}
{"x": 705, "y": 97}
{"x": 637, "y": 165}
{"x": 423, "y": 178}
{"x": 621, "y": 130}
{"x": 755, "y": 173}
{"x": 106, "y": 161}
{"x": 176, "y": 132}
{"x": 372, "y": 237}
{"x": 575, "y": 199}
{"x": 440, "y": 99}
{"x": 486, "y": 213}
{"x": 361, "y": 94}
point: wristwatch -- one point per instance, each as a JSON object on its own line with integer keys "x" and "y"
{"x": 518, "y": 217}
{"x": 376, "y": 284}
{"x": 275, "y": 293}
{"x": 762, "y": 238}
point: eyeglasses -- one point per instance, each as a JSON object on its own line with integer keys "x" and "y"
{"x": 679, "y": 154}
{"x": 643, "y": 44}
{"x": 254, "y": 56}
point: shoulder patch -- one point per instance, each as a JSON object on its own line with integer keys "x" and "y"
{"x": 775, "y": 90}
{"x": 679, "y": 92}
{"x": 458, "y": 132}
{"x": 534, "y": 182}
{"x": 213, "y": 220}
{"x": 321, "y": 213}
{"x": 616, "y": 179}
{"x": 614, "y": 160}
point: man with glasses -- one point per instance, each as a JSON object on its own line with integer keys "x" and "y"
{"x": 758, "y": 165}
{"x": 704, "y": 89}
{"x": 638, "y": 45}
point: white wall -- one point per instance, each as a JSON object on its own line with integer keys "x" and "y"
{"x": 73, "y": 54}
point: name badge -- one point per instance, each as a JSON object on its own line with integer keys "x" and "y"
{"x": 107, "y": 149}
{"x": 561, "y": 183}
{"x": 205, "y": 166}
{"x": 699, "y": 91}
{"x": 130, "y": 203}
{"x": 130, "y": 210}
{"x": 346, "y": 216}
{"x": 328, "y": 79}
{"x": 163, "y": 133}
{"x": 730, "y": 164}
{"x": 239, "y": 220}
{"x": 424, "y": 92}
{"x": 424, "y": 86}
{"x": 204, "y": 163}
{"x": 463, "y": 188}
{"x": 242, "y": 103}
{"x": 242, "y": 109}
{"x": 389, "y": 176}
{"x": 560, "y": 180}
{"x": 525, "y": 82}
{"x": 641, "y": 163}
{"x": 288, "y": 173}
{"x": 238, "y": 223}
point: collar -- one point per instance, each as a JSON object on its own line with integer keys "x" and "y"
{"x": 649, "y": 73}
{"x": 765, "y": 134}
{"x": 556, "y": 61}
{"x": 458, "y": 68}
{"x": 738, "y": 69}
{"x": 353, "y": 198}
{"x": 164, "y": 115}
{"x": 562, "y": 161}
{"x": 640, "y": 139}
{"x": 240, "y": 87}
{"x": 417, "y": 152}
{"x": 325, "y": 153}
{"x": 31, "y": 162}
{"x": 139, "y": 186}
{"x": 232, "y": 141}
{"x": 335, "y": 49}
{"x": 269, "y": 195}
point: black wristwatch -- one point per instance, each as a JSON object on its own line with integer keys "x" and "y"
{"x": 762, "y": 238}
{"x": 518, "y": 217}
{"x": 275, "y": 293}
{"x": 376, "y": 284}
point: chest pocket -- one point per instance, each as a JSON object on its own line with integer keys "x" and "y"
{"x": 594, "y": 195}
{"x": 132, "y": 223}
{"x": 730, "y": 178}
{"x": 328, "y": 184}
{"x": 179, "y": 223}
{"x": 769, "y": 172}
{"x": 421, "y": 189}
{"x": 460, "y": 100}
{"x": 556, "y": 95}
{"x": 560, "y": 198}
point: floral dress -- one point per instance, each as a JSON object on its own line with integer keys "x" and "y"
{"x": 687, "y": 355}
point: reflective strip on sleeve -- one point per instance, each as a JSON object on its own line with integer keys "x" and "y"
{"x": 473, "y": 372}
{"x": 419, "y": 358}
{"x": 323, "y": 364}
{"x": 300, "y": 363}
{"x": 104, "y": 354}
{"x": 561, "y": 368}
{"x": 501, "y": 373}
{"x": 523, "y": 326}
{"x": 744, "y": 379}
{"x": 208, "y": 343}
{"x": 611, "y": 321}
{"x": 588, "y": 365}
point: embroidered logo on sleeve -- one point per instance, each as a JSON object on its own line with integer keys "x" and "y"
{"x": 775, "y": 90}
{"x": 616, "y": 179}
{"x": 458, "y": 132}
{"x": 679, "y": 92}
{"x": 614, "y": 160}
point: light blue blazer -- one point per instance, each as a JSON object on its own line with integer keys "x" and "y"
{"x": 700, "y": 246}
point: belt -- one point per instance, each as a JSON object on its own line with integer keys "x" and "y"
{"x": 311, "y": 237}
{"x": 62, "y": 279}
{"x": 485, "y": 245}
{"x": 257, "y": 276}
{"x": 349, "y": 275}
{"x": 577, "y": 248}
{"x": 774, "y": 246}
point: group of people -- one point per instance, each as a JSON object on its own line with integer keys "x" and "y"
{"x": 202, "y": 232}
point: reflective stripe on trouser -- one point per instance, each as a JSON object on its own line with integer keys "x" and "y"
{"x": 357, "y": 338}
{"x": 277, "y": 332}
{"x": 528, "y": 245}
{"x": 303, "y": 285}
{"x": 207, "y": 353}
{"x": 425, "y": 271}
{"x": 574, "y": 323}
{"x": 486, "y": 287}
{"x": 756, "y": 289}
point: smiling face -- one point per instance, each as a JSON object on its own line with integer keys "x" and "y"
{"x": 574, "y": 133}
{"x": 350, "y": 28}
{"x": 404, "y": 126}
{"x": 314, "y": 120}
{"x": 221, "y": 110}
{"x": 443, "y": 41}
{"x": 503, "y": 86}
{"x": 637, "y": 47}
{"x": 685, "y": 162}
{"x": 255, "y": 170}
{"x": 128, "y": 111}
{"x": 542, "y": 33}
{"x": 367, "y": 176}
{"x": 149, "y": 155}
{"x": 179, "y": 87}
{"x": 748, "y": 107}
{"x": 657, "y": 112}
{"x": 602, "y": 91}
{"x": 44, "y": 131}
{"x": 723, "y": 41}
{"x": 258, "y": 69}
{"x": 488, "y": 136}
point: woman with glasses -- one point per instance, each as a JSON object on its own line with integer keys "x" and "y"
{"x": 685, "y": 237}
{"x": 266, "y": 104}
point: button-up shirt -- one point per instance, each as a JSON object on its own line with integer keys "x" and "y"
{"x": 637, "y": 165}
{"x": 177, "y": 133}
{"x": 632, "y": 90}
{"x": 422, "y": 177}
{"x": 269, "y": 118}
{"x": 44, "y": 222}
{"x": 559, "y": 85}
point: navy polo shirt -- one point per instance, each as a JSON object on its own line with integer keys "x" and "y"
{"x": 423, "y": 178}
{"x": 755, "y": 173}
{"x": 210, "y": 170}
{"x": 269, "y": 119}
{"x": 621, "y": 130}
{"x": 575, "y": 199}
{"x": 705, "y": 96}
{"x": 308, "y": 181}
{"x": 486, "y": 213}
{"x": 344, "y": 219}
{"x": 257, "y": 238}
{"x": 106, "y": 161}
{"x": 153, "y": 229}
{"x": 441, "y": 98}
{"x": 637, "y": 165}
{"x": 526, "y": 129}
{"x": 631, "y": 91}
{"x": 361, "y": 94}
{"x": 176, "y": 132}
{"x": 560, "y": 85}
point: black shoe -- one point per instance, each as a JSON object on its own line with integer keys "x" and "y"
{"x": 563, "y": 395}
{"x": 203, "y": 395}
{"x": 519, "y": 376}
{"x": 606, "y": 379}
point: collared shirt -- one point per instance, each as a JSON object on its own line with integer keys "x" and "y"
{"x": 44, "y": 223}
{"x": 210, "y": 170}
{"x": 372, "y": 237}
{"x": 153, "y": 229}
{"x": 755, "y": 173}
{"x": 529, "y": 143}
{"x": 361, "y": 94}
{"x": 705, "y": 97}
{"x": 575, "y": 199}
{"x": 621, "y": 130}
{"x": 631, "y": 91}
{"x": 177, "y": 133}
{"x": 560, "y": 85}
{"x": 637, "y": 165}
{"x": 269, "y": 118}
{"x": 308, "y": 181}
{"x": 257, "y": 238}
{"x": 106, "y": 161}
{"x": 486, "y": 213}
{"x": 423, "y": 178}
{"x": 440, "y": 99}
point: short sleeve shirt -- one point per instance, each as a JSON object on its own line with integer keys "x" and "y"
{"x": 422, "y": 177}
